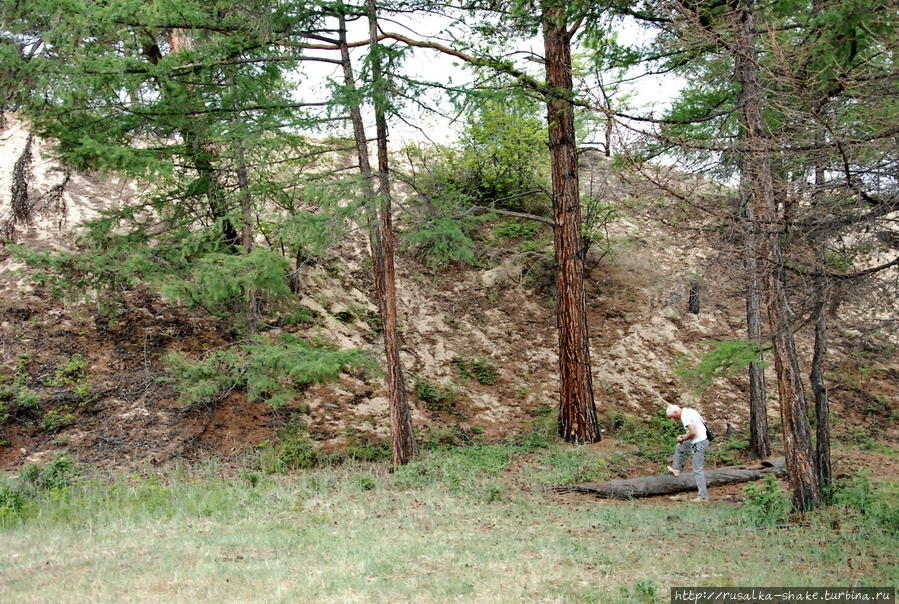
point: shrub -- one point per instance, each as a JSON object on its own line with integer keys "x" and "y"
{"x": 361, "y": 449}
{"x": 655, "y": 438}
{"x": 12, "y": 500}
{"x": 875, "y": 502}
{"x": 70, "y": 372}
{"x": 478, "y": 368}
{"x": 438, "y": 397}
{"x": 504, "y": 157}
{"x": 57, "y": 419}
{"x": 60, "y": 473}
{"x": 274, "y": 371}
{"x": 447, "y": 233}
{"x": 766, "y": 504}
{"x": 365, "y": 482}
{"x": 723, "y": 359}
{"x": 293, "y": 450}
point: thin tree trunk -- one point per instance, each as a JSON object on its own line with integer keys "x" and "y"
{"x": 246, "y": 234}
{"x": 801, "y": 470}
{"x": 400, "y": 417}
{"x": 202, "y": 152}
{"x": 819, "y": 388}
{"x": 823, "y": 290}
{"x": 816, "y": 376}
{"x": 693, "y": 301}
{"x": 759, "y": 441}
{"x": 577, "y": 412}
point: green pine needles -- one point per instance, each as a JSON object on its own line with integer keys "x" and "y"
{"x": 723, "y": 359}
{"x": 275, "y": 370}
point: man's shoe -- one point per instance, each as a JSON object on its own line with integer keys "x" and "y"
{"x": 699, "y": 500}
{"x": 673, "y": 471}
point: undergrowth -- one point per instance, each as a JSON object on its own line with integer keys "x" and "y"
{"x": 274, "y": 369}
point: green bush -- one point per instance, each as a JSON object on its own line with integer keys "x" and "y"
{"x": 504, "y": 156}
{"x": 644, "y": 591}
{"x": 275, "y": 370}
{"x": 12, "y": 501}
{"x": 361, "y": 449}
{"x": 479, "y": 368}
{"x": 447, "y": 233}
{"x": 60, "y": 473}
{"x": 766, "y": 504}
{"x": 57, "y": 419}
{"x": 293, "y": 450}
{"x": 876, "y": 502}
{"x": 438, "y": 397}
{"x": 70, "y": 372}
{"x": 654, "y": 438}
{"x": 723, "y": 359}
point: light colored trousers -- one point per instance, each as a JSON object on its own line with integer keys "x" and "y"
{"x": 698, "y": 452}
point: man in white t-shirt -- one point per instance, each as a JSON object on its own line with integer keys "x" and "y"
{"x": 695, "y": 442}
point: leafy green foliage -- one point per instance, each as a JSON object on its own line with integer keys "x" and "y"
{"x": 724, "y": 359}
{"x": 438, "y": 397}
{"x": 17, "y": 401}
{"x": 654, "y": 438}
{"x": 275, "y": 370}
{"x": 479, "y": 368}
{"x": 448, "y": 234}
{"x": 293, "y": 450}
{"x": 766, "y": 504}
{"x": 504, "y": 158}
{"x": 218, "y": 279}
{"x": 70, "y": 372}
{"x": 644, "y": 591}
{"x": 60, "y": 473}
{"x": 875, "y": 501}
{"x": 57, "y": 419}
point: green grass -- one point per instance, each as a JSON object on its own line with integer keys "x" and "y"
{"x": 472, "y": 524}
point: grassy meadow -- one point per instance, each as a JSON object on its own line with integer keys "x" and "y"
{"x": 469, "y": 524}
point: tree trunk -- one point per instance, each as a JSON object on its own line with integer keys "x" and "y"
{"x": 693, "y": 300}
{"x": 246, "y": 234}
{"x": 759, "y": 441}
{"x": 816, "y": 376}
{"x": 202, "y": 152}
{"x": 400, "y": 417}
{"x": 577, "y": 412}
{"x": 665, "y": 484}
{"x": 819, "y": 388}
{"x": 801, "y": 470}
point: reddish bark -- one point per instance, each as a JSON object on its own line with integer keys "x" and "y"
{"x": 577, "y": 412}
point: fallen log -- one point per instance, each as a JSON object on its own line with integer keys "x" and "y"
{"x": 665, "y": 484}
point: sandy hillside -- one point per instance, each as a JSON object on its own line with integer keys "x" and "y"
{"x": 127, "y": 413}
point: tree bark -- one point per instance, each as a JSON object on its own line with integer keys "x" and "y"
{"x": 819, "y": 388}
{"x": 666, "y": 484}
{"x": 816, "y": 376}
{"x": 577, "y": 412}
{"x": 246, "y": 234}
{"x": 202, "y": 152}
{"x": 400, "y": 416}
{"x": 759, "y": 441}
{"x": 694, "y": 300}
{"x": 403, "y": 442}
{"x": 801, "y": 470}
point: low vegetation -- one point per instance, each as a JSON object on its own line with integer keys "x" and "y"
{"x": 461, "y": 522}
